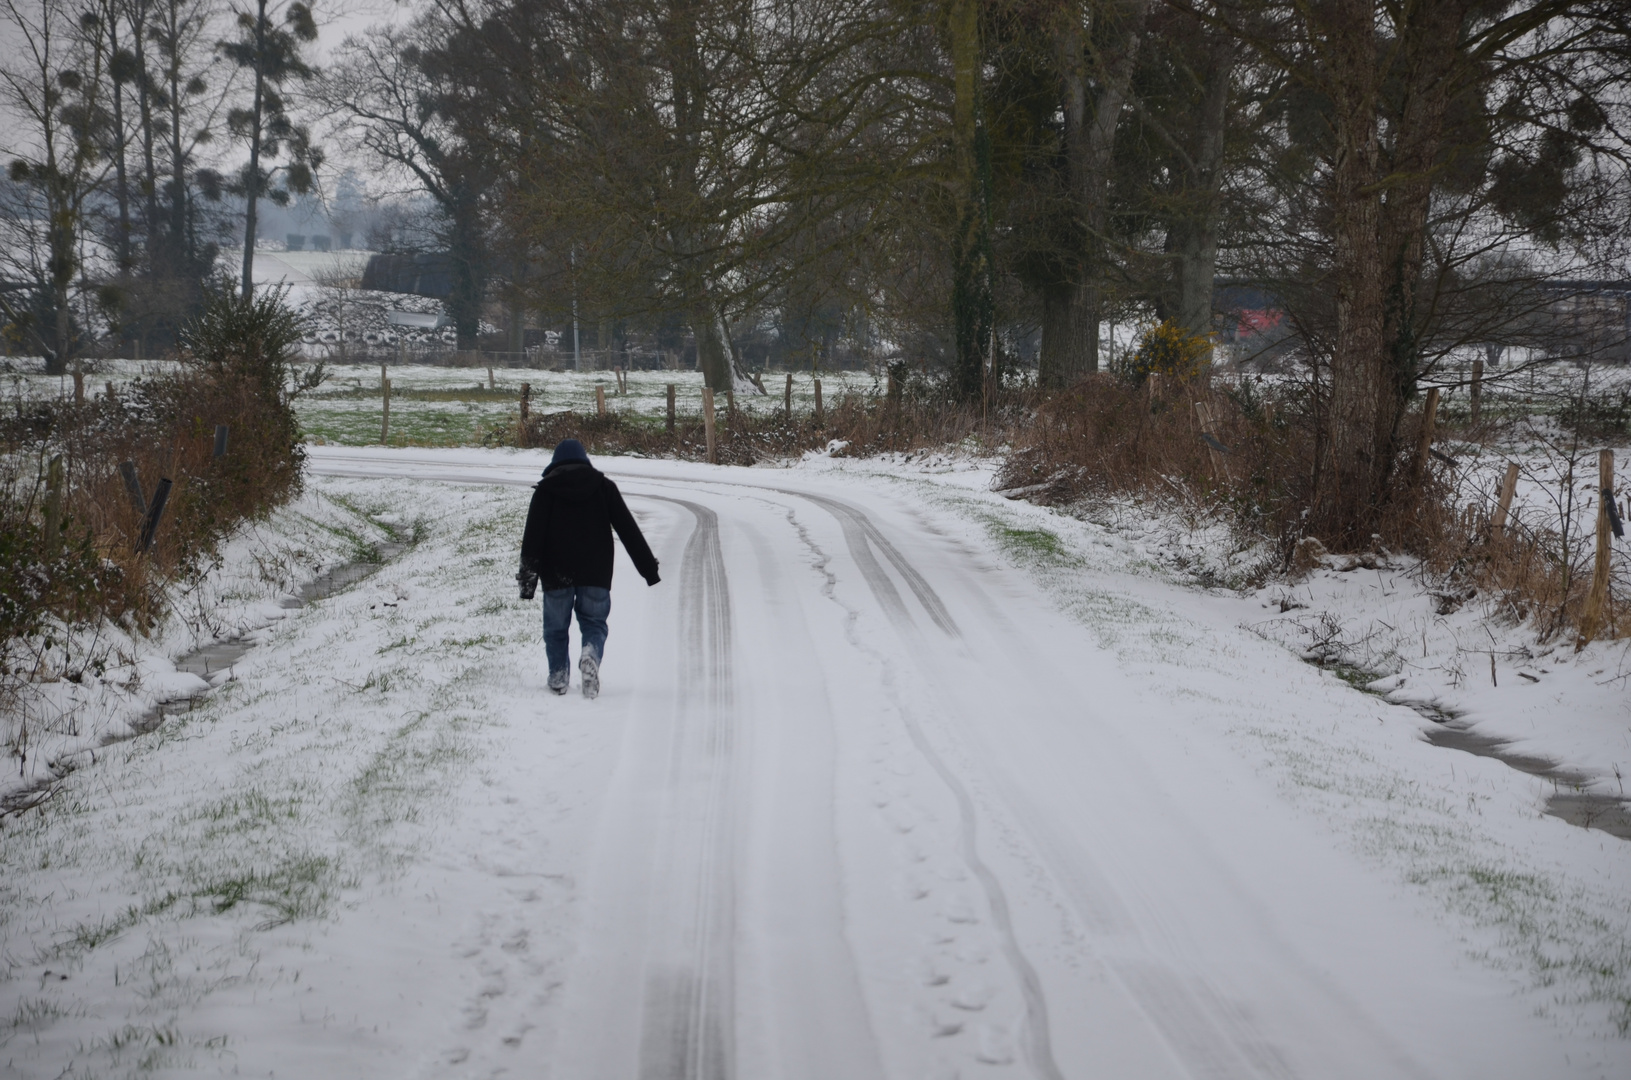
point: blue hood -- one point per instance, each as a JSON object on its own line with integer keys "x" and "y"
{"x": 569, "y": 452}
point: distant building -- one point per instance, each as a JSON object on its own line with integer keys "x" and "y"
{"x": 429, "y": 274}
{"x": 1591, "y": 319}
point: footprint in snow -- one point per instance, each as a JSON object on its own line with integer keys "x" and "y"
{"x": 996, "y": 1045}
{"x": 931, "y": 973}
{"x": 974, "y": 997}
{"x": 957, "y": 909}
{"x": 943, "y": 1027}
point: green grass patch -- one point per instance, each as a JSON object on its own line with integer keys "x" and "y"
{"x": 298, "y": 886}
{"x": 1036, "y": 543}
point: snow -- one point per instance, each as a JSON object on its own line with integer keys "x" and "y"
{"x": 62, "y": 723}
{"x": 890, "y": 776}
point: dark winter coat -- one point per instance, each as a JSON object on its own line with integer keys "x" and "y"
{"x": 568, "y": 540}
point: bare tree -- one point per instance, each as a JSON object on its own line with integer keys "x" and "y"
{"x": 53, "y": 84}
{"x": 388, "y": 90}
{"x": 268, "y": 48}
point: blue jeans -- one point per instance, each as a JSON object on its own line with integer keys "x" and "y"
{"x": 592, "y": 603}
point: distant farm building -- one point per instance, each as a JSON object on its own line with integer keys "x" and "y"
{"x": 429, "y": 274}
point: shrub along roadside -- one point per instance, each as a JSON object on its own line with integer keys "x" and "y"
{"x": 1134, "y": 435}
{"x": 69, "y": 562}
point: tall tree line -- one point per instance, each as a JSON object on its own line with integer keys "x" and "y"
{"x": 958, "y": 174}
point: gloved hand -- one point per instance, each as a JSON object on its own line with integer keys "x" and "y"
{"x": 653, "y": 579}
{"x": 528, "y": 582}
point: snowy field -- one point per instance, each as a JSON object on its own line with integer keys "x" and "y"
{"x": 889, "y": 777}
{"x": 442, "y": 406}
{"x": 454, "y": 406}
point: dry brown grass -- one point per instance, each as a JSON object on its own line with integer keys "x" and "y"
{"x": 1108, "y": 435}
{"x": 1533, "y": 570}
{"x": 91, "y": 569}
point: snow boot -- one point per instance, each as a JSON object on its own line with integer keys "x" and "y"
{"x": 589, "y": 668}
{"x": 558, "y": 680}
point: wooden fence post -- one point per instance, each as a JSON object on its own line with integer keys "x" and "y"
{"x": 221, "y": 432}
{"x": 133, "y": 488}
{"x": 1503, "y": 501}
{"x": 671, "y": 408}
{"x": 492, "y": 383}
{"x": 53, "y": 505}
{"x": 787, "y": 398}
{"x": 708, "y": 423}
{"x": 818, "y": 416}
{"x": 1592, "y": 617}
{"x": 155, "y": 511}
{"x": 1209, "y": 435}
{"x": 1476, "y": 394}
{"x": 385, "y": 406}
{"x": 1424, "y": 444}
{"x": 730, "y": 406}
{"x": 600, "y": 400}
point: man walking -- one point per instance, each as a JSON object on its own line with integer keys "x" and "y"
{"x": 568, "y": 547}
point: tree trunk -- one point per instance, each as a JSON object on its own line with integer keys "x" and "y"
{"x": 1377, "y": 245}
{"x": 1070, "y": 330}
{"x": 144, "y": 103}
{"x": 183, "y": 250}
{"x": 713, "y": 346}
{"x": 1345, "y": 507}
{"x": 1196, "y": 238}
{"x": 1090, "y": 139}
{"x": 469, "y": 278}
{"x": 121, "y": 178}
{"x": 971, "y": 300}
{"x": 252, "y": 176}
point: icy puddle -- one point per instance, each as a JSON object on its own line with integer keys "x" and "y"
{"x": 1571, "y": 799}
{"x": 1576, "y": 805}
{"x": 219, "y": 656}
{"x": 211, "y": 662}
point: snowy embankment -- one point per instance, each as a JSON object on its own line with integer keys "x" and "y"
{"x": 111, "y": 683}
{"x": 890, "y": 777}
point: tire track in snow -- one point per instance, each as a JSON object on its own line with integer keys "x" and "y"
{"x": 1211, "y": 1037}
{"x": 860, "y": 534}
{"x": 688, "y": 1010}
{"x": 858, "y": 529}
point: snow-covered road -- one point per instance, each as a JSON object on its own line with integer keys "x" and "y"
{"x": 875, "y": 810}
{"x": 861, "y": 798}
